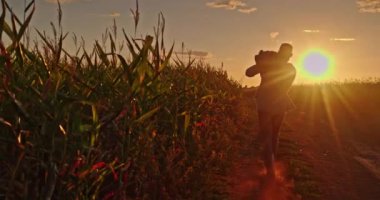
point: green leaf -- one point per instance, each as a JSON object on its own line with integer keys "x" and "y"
{"x": 88, "y": 59}
{"x": 130, "y": 45}
{"x": 101, "y": 54}
{"x": 26, "y": 23}
{"x": 167, "y": 59}
{"x": 32, "y": 57}
{"x": 135, "y": 85}
{"x": 20, "y": 107}
{"x": 2, "y": 18}
{"x": 187, "y": 122}
{"x": 2, "y": 60}
{"x": 113, "y": 46}
{"x": 29, "y": 5}
{"x": 142, "y": 70}
{"x": 126, "y": 70}
{"x": 147, "y": 115}
{"x": 85, "y": 127}
{"x": 43, "y": 37}
{"x": 7, "y": 29}
{"x": 95, "y": 117}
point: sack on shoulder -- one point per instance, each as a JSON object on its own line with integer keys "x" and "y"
{"x": 265, "y": 58}
{"x": 251, "y": 71}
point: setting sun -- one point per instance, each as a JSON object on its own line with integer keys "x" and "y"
{"x": 316, "y": 65}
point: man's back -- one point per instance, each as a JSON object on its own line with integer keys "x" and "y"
{"x": 275, "y": 83}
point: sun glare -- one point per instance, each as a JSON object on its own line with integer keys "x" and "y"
{"x": 316, "y": 65}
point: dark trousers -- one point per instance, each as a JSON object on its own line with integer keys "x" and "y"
{"x": 269, "y": 128}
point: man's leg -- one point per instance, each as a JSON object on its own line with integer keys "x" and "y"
{"x": 277, "y": 122}
{"x": 266, "y": 133}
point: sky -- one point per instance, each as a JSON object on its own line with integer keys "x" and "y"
{"x": 229, "y": 33}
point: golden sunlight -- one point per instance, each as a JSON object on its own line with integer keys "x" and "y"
{"x": 316, "y": 65}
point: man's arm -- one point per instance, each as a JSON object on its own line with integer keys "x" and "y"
{"x": 252, "y": 71}
{"x": 289, "y": 75}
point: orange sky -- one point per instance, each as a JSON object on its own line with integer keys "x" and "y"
{"x": 232, "y": 31}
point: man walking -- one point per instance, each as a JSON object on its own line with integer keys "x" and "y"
{"x": 277, "y": 76}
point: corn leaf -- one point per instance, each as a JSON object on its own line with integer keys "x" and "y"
{"x": 130, "y": 45}
{"x": 101, "y": 54}
{"x": 187, "y": 122}
{"x": 167, "y": 59}
{"x": 2, "y": 18}
{"x": 147, "y": 115}
{"x": 25, "y": 25}
{"x": 7, "y": 29}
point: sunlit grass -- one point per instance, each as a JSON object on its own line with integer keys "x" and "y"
{"x": 345, "y": 106}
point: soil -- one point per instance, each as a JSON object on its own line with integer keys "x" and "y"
{"x": 342, "y": 167}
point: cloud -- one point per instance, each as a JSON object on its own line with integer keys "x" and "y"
{"x": 368, "y": 6}
{"x": 311, "y": 31}
{"x": 114, "y": 14}
{"x": 247, "y": 10}
{"x": 199, "y": 54}
{"x": 228, "y": 4}
{"x": 343, "y": 39}
{"x": 238, "y": 5}
{"x": 274, "y": 35}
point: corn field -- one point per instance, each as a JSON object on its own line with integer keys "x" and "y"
{"x": 103, "y": 124}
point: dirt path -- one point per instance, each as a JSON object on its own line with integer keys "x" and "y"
{"x": 334, "y": 157}
{"x": 247, "y": 178}
{"x": 249, "y": 182}
{"x": 338, "y": 166}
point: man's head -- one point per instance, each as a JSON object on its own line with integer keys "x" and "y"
{"x": 285, "y": 52}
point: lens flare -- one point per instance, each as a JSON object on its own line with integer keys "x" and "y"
{"x": 316, "y": 64}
